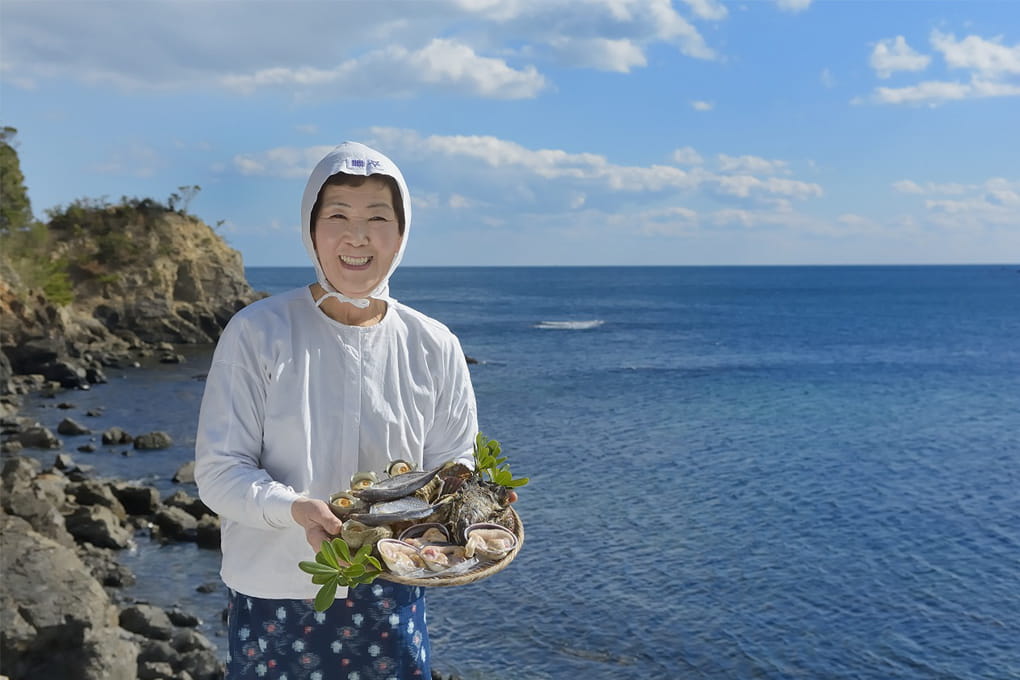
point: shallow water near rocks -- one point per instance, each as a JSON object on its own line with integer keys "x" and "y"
{"x": 776, "y": 472}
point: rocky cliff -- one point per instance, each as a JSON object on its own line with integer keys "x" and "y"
{"x": 120, "y": 279}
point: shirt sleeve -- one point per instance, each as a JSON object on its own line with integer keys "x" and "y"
{"x": 455, "y": 423}
{"x": 228, "y": 443}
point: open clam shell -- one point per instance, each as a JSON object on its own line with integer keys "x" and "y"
{"x": 345, "y": 503}
{"x": 403, "y": 559}
{"x": 427, "y": 532}
{"x": 488, "y": 541}
{"x": 363, "y": 480}
{"x": 399, "y": 467}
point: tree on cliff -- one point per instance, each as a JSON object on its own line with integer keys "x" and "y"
{"x": 15, "y": 208}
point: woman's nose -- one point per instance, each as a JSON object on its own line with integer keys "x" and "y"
{"x": 358, "y": 232}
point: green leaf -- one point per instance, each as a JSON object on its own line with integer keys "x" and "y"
{"x": 362, "y": 553}
{"x": 354, "y": 571}
{"x": 326, "y": 596}
{"x": 327, "y": 555}
{"x": 374, "y": 562}
{"x": 316, "y": 568}
{"x": 321, "y": 579}
{"x": 519, "y": 482}
{"x": 342, "y": 550}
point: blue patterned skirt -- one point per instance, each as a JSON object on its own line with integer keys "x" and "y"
{"x": 377, "y": 633}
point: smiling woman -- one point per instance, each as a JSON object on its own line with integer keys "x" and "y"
{"x": 306, "y": 389}
{"x": 357, "y": 232}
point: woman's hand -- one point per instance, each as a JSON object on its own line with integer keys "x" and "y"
{"x": 318, "y": 520}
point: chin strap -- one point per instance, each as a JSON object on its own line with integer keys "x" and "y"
{"x": 360, "y": 303}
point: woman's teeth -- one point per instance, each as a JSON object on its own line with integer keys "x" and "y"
{"x": 355, "y": 261}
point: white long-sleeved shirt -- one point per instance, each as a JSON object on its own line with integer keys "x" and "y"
{"x": 295, "y": 403}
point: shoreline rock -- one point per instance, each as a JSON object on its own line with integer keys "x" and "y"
{"x": 60, "y": 540}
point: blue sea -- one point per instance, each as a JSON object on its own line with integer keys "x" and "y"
{"x": 736, "y": 472}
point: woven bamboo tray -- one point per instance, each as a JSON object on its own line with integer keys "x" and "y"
{"x": 477, "y": 573}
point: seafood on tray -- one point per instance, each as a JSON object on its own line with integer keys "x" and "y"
{"x": 420, "y": 524}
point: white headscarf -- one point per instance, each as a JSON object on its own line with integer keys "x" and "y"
{"x": 352, "y": 158}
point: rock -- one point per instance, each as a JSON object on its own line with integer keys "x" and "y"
{"x": 65, "y": 405}
{"x": 70, "y": 427}
{"x": 175, "y": 524}
{"x": 87, "y": 448}
{"x": 99, "y": 526}
{"x": 153, "y": 440}
{"x": 94, "y": 412}
{"x": 64, "y": 462}
{"x": 67, "y": 373}
{"x": 185, "y": 474}
{"x": 171, "y": 358}
{"x": 11, "y": 446}
{"x": 210, "y": 587}
{"x": 56, "y": 616}
{"x": 155, "y": 670}
{"x": 18, "y": 472}
{"x": 116, "y": 435}
{"x": 191, "y": 505}
{"x": 104, "y": 566}
{"x": 136, "y": 499}
{"x": 28, "y": 504}
{"x": 147, "y": 620}
{"x": 95, "y": 375}
{"x": 207, "y": 533}
{"x": 38, "y": 437}
{"x": 93, "y": 492}
{"x": 183, "y": 619}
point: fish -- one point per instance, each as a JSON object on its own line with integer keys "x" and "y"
{"x": 391, "y": 512}
{"x": 395, "y": 487}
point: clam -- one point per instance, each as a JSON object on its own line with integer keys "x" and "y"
{"x": 344, "y": 503}
{"x": 421, "y": 534}
{"x": 399, "y": 467}
{"x": 401, "y": 558}
{"x": 395, "y": 487}
{"x": 363, "y": 480}
{"x": 441, "y": 557}
{"x": 488, "y": 541}
{"x": 358, "y": 533}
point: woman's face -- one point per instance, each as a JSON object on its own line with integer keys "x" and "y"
{"x": 356, "y": 235}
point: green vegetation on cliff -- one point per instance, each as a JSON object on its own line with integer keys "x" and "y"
{"x": 88, "y": 242}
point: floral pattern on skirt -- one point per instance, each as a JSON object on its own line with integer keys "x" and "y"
{"x": 377, "y": 633}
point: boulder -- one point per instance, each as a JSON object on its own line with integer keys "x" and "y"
{"x": 98, "y": 525}
{"x": 58, "y": 621}
{"x": 69, "y": 426}
{"x": 207, "y": 533}
{"x": 38, "y": 437}
{"x": 116, "y": 435}
{"x": 175, "y": 524}
{"x": 147, "y": 620}
{"x": 185, "y": 474}
{"x": 191, "y": 505}
{"x": 153, "y": 440}
{"x": 93, "y": 492}
{"x": 135, "y": 498}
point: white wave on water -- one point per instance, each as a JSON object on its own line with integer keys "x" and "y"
{"x": 569, "y": 325}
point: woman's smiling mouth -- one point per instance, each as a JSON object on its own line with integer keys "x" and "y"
{"x": 351, "y": 261}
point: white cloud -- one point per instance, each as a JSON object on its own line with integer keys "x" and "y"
{"x": 992, "y": 68}
{"x": 988, "y": 58}
{"x": 938, "y": 92}
{"x": 793, "y": 5}
{"x": 687, "y": 156}
{"x": 284, "y": 161}
{"x": 895, "y": 54}
{"x": 827, "y": 79}
{"x": 992, "y": 204}
{"x": 699, "y": 105}
{"x": 384, "y": 48}
{"x": 751, "y": 165}
{"x": 712, "y": 10}
{"x": 456, "y": 201}
{"x": 308, "y": 129}
{"x": 600, "y": 53}
{"x": 396, "y": 71}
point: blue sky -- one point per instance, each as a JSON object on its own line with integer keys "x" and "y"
{"x": 630, "y": 132}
